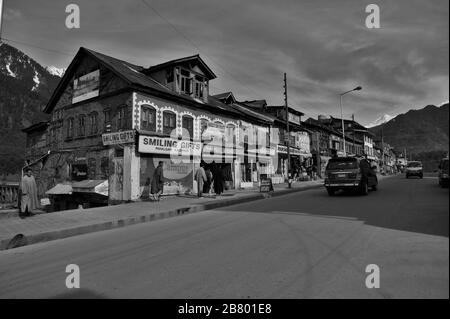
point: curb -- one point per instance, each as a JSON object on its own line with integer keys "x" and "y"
{"x": 11, "y": 243}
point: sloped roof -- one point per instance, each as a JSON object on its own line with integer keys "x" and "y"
{"x": 253, "y": 113}
{"x": 133, "y": 76}
{"x": 318, "y": 124}
{"x": 224, "y": 95}
{"x": 194, "y": 58}
{"x": 36, "y": 127}
{"x": 259, "y": 104}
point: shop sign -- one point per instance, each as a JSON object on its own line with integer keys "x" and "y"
{"x": 118, "y": 138}
{"x": 86, "y": 86}
{"x": 283, "y": 149}
{"x": 266, "y": 185}
{"x": 294, "y": 118}
{"x": 168, "y": 146}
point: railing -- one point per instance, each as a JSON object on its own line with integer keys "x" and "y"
{"x": 9, "y": 192}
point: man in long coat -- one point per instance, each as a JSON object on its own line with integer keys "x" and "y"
{"x": 157, "y": 186}
{"x": 218, "y": 178}
{"x": 200, "y": 177}
{"x": 29, "y": 199}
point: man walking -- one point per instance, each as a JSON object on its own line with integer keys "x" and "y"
{"x": 157, "y": 186}
{"x": 29, "y": 199}
{"x": 200, "y": 177}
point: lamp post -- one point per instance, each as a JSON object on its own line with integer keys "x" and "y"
{"x": 358, "y": 88}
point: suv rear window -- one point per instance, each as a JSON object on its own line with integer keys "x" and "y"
{"x": 342, "y": 163}
{"x": 414, "y": 164}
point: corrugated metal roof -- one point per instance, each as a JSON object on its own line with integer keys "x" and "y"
{"x": 60, "y": 189}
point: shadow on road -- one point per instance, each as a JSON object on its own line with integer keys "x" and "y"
{"x": 414, "y": 205}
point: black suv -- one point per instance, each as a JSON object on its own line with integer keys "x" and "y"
{"x": 350, "y": 173}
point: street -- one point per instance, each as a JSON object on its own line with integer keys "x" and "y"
{"x": 302, "y": 245}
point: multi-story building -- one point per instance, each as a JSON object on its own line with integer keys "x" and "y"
{"x": 113, "y": 121}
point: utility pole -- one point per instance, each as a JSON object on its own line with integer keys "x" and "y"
{"x": 1, "y": 18}
{"x": 288, "y": 138}
{"x": 382, "y": 147}
{"x": 318, "y": 159}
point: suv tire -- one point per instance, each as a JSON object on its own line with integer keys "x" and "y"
{"x": 330, "y": 191}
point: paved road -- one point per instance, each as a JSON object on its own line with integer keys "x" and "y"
{"x": 303, "y": 245}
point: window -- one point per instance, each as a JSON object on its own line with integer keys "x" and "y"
{"x": 107, "y": 123}
{"x": 188, "y": 124}
{"x": 148, "y": 118}
{"x": 121, "y": 119}
{"x": 81, "y": 125}
{"x": 169, "y": 122}
{"x": 231, "y": 135}
{"x": 93, "y": 126}
{"x": 70, "y": 127}
{"x": 199, "y": 85}
{"x": 185, "y": 81}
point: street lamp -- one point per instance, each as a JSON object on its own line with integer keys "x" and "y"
{"x": 358, "y": 88}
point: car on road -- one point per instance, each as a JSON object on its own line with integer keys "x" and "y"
{"x": 414, "y": 168}
{"x": 350, "y": 173}
{"x": 443, "y": 172}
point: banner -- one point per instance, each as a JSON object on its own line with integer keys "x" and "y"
{"x": 168, "y": 146}
{"x": 118, "y": 138}
{"x": 86, "y": 86}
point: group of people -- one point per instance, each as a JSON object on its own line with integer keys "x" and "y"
{"x": 304, "y": 170}
{"x": 209, "y": 177}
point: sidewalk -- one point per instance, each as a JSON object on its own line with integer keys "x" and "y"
{"x": 46, "y": 227}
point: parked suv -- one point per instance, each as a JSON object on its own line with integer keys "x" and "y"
{"x": 443, "y": 173}
{"x": 350, "y": 173}
{"x": 414, "y": 168}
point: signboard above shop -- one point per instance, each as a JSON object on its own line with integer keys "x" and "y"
{"x": 168, "y": 146}
{"x": 86, "y": 86}
{"x": 294, "y": 118}
{"x": 118, "y": 138}
{"x": 283, "y": 150}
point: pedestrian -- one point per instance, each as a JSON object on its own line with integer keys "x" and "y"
{"x": 314, "y": 172}
{"x": 200, "y": 177}
{"x": 209, "y": 179}
{"x": 157, "y": 186}
{"x": 29, "y": 199}
{"x": 218, "y": 178}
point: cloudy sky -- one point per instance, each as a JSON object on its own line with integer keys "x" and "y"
{"x": 324, "y": 46}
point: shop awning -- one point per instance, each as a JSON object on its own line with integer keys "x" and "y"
{"x": 97, "y": 186}
{"x": 60, "y": 189}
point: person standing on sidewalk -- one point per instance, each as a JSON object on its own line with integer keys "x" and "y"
{"x": 157, "y": 186}
{"x": 209, "y": 179}
{"x": 218, "y": 178}
{"x": 200, "y": 177}
{"x": 29, "y": 199}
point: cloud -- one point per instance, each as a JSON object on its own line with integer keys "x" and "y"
{"x": 322, "y": 45}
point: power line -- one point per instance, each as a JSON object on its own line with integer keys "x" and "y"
{"x": 193, "y": 44}
{"x": 36, "y": 46}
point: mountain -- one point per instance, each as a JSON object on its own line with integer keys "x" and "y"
{"x": 424, "y": 130}
{"x": 381, "y": 120}
{"x": 25, "y": 87}
{"x": 56, "y": 71}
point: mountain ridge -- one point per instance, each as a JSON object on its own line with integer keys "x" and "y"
{"x": 417, "y": 130}
{"x": 26, "y": 87}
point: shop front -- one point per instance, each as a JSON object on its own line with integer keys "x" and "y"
{"x": 282, "y": 161}
{"x": 180, "y": 159}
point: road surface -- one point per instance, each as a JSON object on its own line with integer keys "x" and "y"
{"x": 302, "y": 245}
